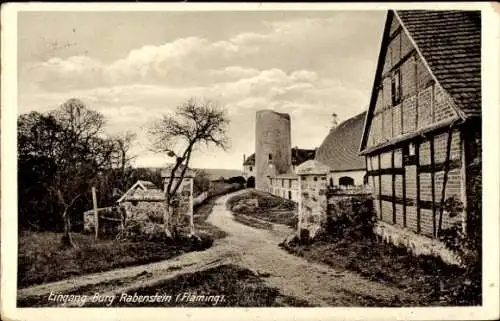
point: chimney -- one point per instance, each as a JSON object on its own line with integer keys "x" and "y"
{"x": 335, "y": 121}
{"x": 244, "y": 158}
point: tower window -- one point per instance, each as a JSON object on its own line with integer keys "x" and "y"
{"x": 270, "y": 157}
{"x": 251, "y": 168}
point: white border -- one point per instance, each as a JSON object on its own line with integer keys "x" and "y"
{"x": 491, "y": 143}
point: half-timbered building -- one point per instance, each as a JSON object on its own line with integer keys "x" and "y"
{"x": 422, "y": 132}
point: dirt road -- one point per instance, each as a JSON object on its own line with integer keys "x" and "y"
{"x": 252, "y": 248}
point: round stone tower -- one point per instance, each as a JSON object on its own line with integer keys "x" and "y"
{"x": 273, "y": 154}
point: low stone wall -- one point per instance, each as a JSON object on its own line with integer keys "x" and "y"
{"x": 110, "y": 219}
{"x": 200, "y": 198}
{"x": 141, "y": 211}
{"x": 417, "y": 244}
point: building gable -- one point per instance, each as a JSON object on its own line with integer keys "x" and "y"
{"x": 406, "y": 97}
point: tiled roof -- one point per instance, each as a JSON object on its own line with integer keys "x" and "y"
{"x": 450, "y": 42}
{"x": 298, "y": 156}
{"x": 148, "y": 184}
{"x": 312, "y": 167}
{"x": 137, "y": 193}
{"x": 340, "y": 148}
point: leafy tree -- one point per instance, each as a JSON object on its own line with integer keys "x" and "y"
{"x": 61, "y": 155}
{"x": 237, "y": 179}
{"x": 38, "y": 137}
{"x": 179, "y": 134}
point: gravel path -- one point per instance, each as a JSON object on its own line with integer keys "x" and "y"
{"x": 249, "y": 247}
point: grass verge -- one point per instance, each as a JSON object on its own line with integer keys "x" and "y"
{"x": 221, "y": 286}
{"x": 42, "y": 260}
{"x": 427, "y": 278}
{"x": 263, "y": 206}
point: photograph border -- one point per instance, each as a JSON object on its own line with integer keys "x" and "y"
{"x": 491, "y": 202}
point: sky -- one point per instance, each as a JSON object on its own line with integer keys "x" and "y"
{"x": 133, "y": 67}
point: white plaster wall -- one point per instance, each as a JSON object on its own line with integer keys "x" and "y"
{"x": 247, "y": 172}
{"x": 356, "y": 175}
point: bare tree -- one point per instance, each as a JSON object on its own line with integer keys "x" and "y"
{"x": 122, "y": 156}
{"x": 178, "y": 134}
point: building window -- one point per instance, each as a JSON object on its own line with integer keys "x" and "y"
{"x": 396, "y": 87}
{"x": 411, "y": 149}
{"x": 410, "y": 154}
{"x": 270, "y": 157}
{"x": 251, "y": 168}
{"x": 315, "y": 179}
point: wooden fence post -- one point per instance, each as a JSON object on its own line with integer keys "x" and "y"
{"x": 299, "y": 207}
{"x": 96, "y": 213}
{"x": 191, "y": 207}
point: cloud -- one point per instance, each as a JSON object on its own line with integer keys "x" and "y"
{"x": 305, "y": 67}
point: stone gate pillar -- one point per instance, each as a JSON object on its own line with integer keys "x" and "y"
{"x": 312, "y": 200}
{"x": 184, "y": 196}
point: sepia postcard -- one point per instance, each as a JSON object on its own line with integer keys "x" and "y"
{"x": 254, "y": 161}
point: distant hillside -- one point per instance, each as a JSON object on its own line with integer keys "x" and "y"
{"x": 216, "y": 173}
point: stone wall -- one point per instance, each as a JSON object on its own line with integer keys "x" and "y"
{"x": 416, "y": 244}
{"x": 357, "y": 176}
{"x": 110, "y": 219}
{"x": 313, "y": 203}
{"x": 143, "y": 211}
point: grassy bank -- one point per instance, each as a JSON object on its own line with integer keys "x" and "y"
{"x": 229, "y": 286}
{"x": 41, "y": 259}
{"x": 263, "y": 206}
{"x": 430, "y": 280}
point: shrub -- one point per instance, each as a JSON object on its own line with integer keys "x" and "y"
{"x": 237, "y": 180}
{"x": 467, "y": 245}
{"x": 351, "y": 217}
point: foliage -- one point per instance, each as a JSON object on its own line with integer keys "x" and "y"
{"x": 61, "y": 155}
{"x": 237, "y": 179}
{"x": 264, "y": 206}
{"x": 467, "y": 243}
{"x": 351, "y": 217}
{"x": 424, "y": 278}
{"x": 201, "y": 182}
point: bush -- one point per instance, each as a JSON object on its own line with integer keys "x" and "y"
{"x": 350, "y": 217}
{"x": 467, "y": 245}
{"x": 237, "y": 180}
